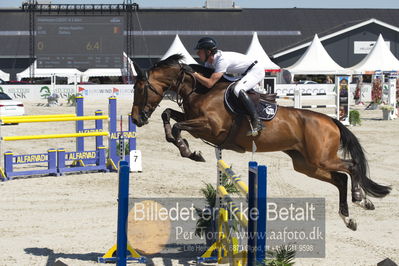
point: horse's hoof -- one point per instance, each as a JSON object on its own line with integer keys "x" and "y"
{"x": 197, "y": 156}
{"x": 365, "y": 204}
{"x": 352, "y": 224}
{"x": 369, "y": 205}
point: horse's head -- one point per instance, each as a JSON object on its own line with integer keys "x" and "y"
{"x": 150, "y": 87}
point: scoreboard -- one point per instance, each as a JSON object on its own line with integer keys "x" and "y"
{"x": 79, "y": 41}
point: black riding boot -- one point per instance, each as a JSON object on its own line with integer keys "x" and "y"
{"x": 257, "y": 124}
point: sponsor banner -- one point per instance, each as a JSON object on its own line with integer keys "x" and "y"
{"x": 284, "y": 89}
{"x": 126, "y": 135}
{"x": 71, "y": 156}
{"x": 364, "y": 47}
{"x": 344, "y": 97}
{"x": 42, "y": 92}
{"x": 30, "y": 158}
{"x": 101, "y": 91}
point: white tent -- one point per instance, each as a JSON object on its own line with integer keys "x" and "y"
{"x": 110, "y": 72}
{"x": 4, "y": 76}
{"x": 69, "y": 73}
{"x": 177, "y": 47}
{"x": 316, "y": 60}
{"x": 379, "y": 58}
{"x": 256, "y": 51}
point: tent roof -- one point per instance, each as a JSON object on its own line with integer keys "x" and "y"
{"x": 316, "y": 60}
{"x": 48, "y": 72}
{"x": 379, "y": 58}
{"x": 101, "y": 72}
{"x": 256, "y": 51}
{"x": 177, "y": 47}
{"x": 4, "y": 76}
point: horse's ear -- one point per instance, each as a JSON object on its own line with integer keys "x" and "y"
{"x": 140, "y": 73}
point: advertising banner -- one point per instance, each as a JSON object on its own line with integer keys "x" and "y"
{"x": 91, "y": 91}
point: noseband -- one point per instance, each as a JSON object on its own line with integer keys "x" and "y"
{"x": 148, "y": 109}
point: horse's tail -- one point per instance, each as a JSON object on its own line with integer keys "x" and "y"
{"x": 350, "y": 145}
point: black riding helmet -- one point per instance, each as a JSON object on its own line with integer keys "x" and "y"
{"x": 206, "y": 43}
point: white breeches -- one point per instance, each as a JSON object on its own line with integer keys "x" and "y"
{"x": 251, "y": 79}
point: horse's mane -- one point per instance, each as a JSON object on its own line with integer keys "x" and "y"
{"x": 170, "y": 61}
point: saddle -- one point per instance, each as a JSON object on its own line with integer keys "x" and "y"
{"x": 266, "y": 105}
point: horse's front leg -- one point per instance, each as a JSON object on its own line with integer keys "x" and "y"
{"x": 198, "y": 126}
{"x": 166, "y": 116}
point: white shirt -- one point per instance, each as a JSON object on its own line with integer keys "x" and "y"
{"x": 230, "y": 62}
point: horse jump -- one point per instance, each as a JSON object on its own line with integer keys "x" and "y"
{"x": 82, "y": 160}
{"x": 125, "y": 252}
{"x": 227, "y": 246}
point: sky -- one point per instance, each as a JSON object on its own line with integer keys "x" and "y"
{"x": 240, "y": 3}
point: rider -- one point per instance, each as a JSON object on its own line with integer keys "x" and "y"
{"x": 236, "y": 64}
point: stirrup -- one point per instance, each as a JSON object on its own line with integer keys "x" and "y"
{"x": 255, "y": 130}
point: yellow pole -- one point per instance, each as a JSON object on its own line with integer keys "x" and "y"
{"x": 56, "y": 136}
{"x": 240, "y": 185}
{"x": 240, "y": 217}
{"x": 54, "y": 119}
{"x": 36, "y": 116}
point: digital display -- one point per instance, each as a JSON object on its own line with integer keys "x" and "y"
{"x": 79, "y": 41}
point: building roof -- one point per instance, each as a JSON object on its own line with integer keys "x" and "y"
{"x": 333, "y": 32}
{"x": 278, "y": 29}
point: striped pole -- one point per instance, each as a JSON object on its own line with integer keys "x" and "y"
{"x": 319, "y": 106}
{"x": 238, "y": 215}
{"x": 238, "y": 183}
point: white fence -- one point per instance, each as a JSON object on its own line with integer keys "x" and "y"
{"x": 284, "y": 89}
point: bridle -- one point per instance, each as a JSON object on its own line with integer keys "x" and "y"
{"x": 146, "y": 108}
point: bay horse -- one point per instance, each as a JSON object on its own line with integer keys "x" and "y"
{"x": 311, "y": 139}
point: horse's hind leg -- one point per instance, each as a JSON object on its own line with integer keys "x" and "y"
{"x": 340, "y": 180}
{"x": 358, "y": 195}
